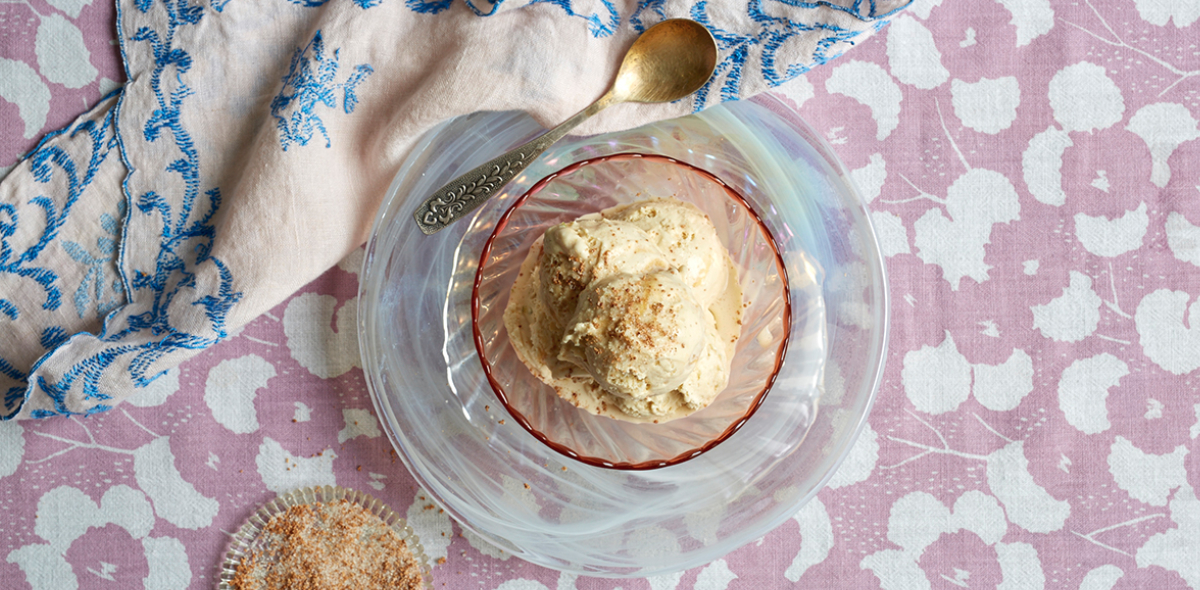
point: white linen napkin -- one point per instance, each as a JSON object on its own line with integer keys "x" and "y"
{"x": 254, "y": 139}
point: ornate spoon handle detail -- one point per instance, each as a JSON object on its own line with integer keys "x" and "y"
{"x": 463, "y": 194}
{"x": 667, "y": 62}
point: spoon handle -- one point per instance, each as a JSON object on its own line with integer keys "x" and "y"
{"x": 463, "y": 194}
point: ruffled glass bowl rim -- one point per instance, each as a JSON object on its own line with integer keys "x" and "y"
{"x": 754, "y": 123}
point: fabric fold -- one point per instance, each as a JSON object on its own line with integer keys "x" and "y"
{"x": 250, "y": 147}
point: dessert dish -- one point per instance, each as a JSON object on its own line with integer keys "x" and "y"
{"x": 607, "y": 497}
{"x": 631, "y": 313}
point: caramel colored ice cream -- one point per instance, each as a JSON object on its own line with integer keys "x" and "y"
{"x": 630, "y": 313}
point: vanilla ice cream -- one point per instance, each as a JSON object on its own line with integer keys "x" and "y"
{"x": 630, "y": 313}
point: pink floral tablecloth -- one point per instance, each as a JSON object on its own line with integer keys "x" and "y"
{"x": 1033, "y": 168}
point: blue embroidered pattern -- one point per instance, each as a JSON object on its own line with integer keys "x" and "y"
{"x": 185, "y": 244}
{"x": 599, "y": 25}
{"x": 43, "y": 160}
{"x": 14, "y": 397}
{"x": 364, "y": 4}
{"x": 773, "y": 32}
{"x": 96, "y": 290}
{"x": 47, "y": 161}
{"x": 434, "y": 6}
{"x": 52, "y": 337}
{"x": 309, "y": 83}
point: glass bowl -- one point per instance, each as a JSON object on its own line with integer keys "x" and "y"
{"x": 497, "y": 479}
{"x": 591, "y": 186}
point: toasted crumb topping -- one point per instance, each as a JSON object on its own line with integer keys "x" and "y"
{"x": 329, "y": 546}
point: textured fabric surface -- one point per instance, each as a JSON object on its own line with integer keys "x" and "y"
{"x": 1033, "y": 171}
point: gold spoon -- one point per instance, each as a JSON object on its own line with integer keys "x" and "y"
{"x": 669, "y": 61}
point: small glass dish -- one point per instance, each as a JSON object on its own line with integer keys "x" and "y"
{"x": 590, "y": 186}
{"x": 250, "y": 538}
{"x": 497, "y": 479}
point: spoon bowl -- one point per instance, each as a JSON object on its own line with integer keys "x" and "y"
{"x": 669, "y": 61}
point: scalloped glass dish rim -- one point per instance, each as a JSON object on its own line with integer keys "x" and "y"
{"x": 834, "y": 457}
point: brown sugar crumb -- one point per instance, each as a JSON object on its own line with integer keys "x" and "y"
{"x": 329, "y": 546}
{"x": 441, "y": 561}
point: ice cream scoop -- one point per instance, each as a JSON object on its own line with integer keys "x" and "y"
{"x": 591, "y": 248}
{"x": 685, "y": 237}
{"x": 637, "y": 335}
{"x": 629, "y": 313}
